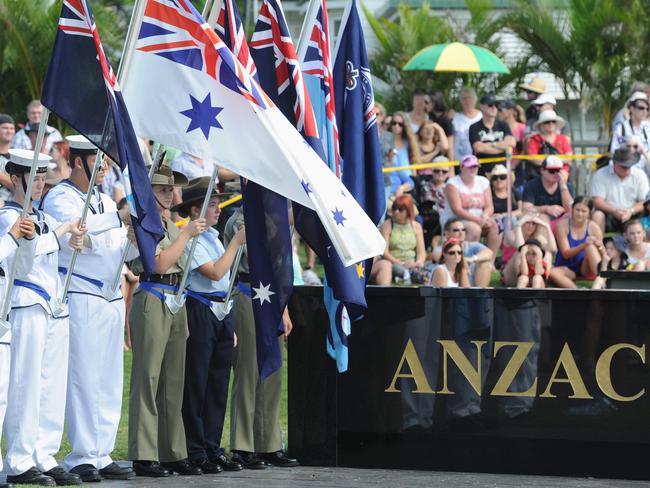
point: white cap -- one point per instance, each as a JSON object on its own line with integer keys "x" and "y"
{"x": 81, "y": 143}
{"x": 552, "y": 162}
{"x": 545, "y": 98}
{"x": 25, "y": 157}
{"x": 638, "y": 96}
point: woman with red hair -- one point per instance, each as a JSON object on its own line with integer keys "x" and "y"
{"x": 405, "y": 248}
{"x": 452, "y": 271}
{"x": 60, "y": 154}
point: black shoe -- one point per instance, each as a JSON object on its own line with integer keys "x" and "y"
{"x": 280, "y": 459}
{"x": 6, "y": 485}
{"x": 116, "y": 472}
{"x": 87, "y": 472}
{"x": 248, "y": 460}
{"x": 227, "y": 464}
{"x": 62, "y": 477}
{"x": 152, "y": 469}
{"x": 182, "y": 467}
{"x": 31, "y": 477}
{"x": 207, "y": 466}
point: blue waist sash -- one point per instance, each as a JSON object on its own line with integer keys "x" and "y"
{"x": 150, "y": 287}
{"x": 245, "y": 289}
{"x": 35, "y": 288}
{"x": 92, "y": 281}
{"x": 206, "y": 298}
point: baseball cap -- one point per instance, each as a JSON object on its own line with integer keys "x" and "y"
{"x": 552, "y": 162}
{"x": 469, "y": 161}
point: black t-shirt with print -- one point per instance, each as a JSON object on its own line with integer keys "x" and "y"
{"x": 478, "y": 132}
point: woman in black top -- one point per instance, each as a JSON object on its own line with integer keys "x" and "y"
{"x": 499, "y": 185}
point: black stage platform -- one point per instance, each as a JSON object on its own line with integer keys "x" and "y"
{"x": 548, "y": 382}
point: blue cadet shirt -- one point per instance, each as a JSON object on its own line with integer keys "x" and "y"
{"x": 208, "y": 248}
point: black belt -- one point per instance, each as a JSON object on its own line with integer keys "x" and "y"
{"x": 2, "y": 272}
{"x": 172, "y": 279}
{"x": 245, "y": 277}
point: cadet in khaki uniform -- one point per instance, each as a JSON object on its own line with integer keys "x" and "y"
{"x": 156, "y": 433}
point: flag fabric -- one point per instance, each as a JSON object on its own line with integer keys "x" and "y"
{"x": 268, "y": 238}
{"x": 204, "y": 102}
{"x": 82, "y": 89}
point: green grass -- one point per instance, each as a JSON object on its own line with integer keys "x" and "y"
{"x": 122, "y": 444}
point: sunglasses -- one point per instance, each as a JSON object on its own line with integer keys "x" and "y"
{"x": 554, "y": 171}
{"x": 458, "y": 230}
{"x": 550, "y": 122}
{"x": 454, "y": 253}
{"x": 491, "y": 105}
{"x": 394, "y": 122}
{"x": 641, "y": 107}
{"x": 398, "y": 209}
{"x": 500, "y": 177}
{"x": 441, "y": 171}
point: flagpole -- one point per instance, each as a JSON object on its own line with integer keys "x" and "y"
{"x": 118, "y": 274}
{"x": 131, "y": 39}
{"x": 195, "y": 240}
{"x": 301, "y": 47}
{"x": 339, "y": 34}
{"x": 42, "y": 126}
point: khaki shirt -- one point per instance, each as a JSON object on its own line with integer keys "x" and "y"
{"x": 171, "y": 234}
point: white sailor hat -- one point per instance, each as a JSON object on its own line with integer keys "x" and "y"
{"x": 80, "y": 143}
{"x": 20, "y": 161}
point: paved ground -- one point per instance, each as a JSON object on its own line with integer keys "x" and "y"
{"x": 346, "y": 477}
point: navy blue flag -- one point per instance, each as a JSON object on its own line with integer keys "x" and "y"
{"x": 268, "y": 239}
{"x": 81, "y": 88}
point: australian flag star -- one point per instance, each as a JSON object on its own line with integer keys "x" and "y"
{"x": 306, "y": 187}
{"x": 338, "y": 216}
{"x": 202, "y": 115}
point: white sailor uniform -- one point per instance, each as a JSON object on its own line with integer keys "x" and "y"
{"x": 95, "y": 372}
{"x": 39, "y": 352}
{"x": 9, "y": 246}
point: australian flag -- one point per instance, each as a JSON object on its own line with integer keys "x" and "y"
{"x": 81, "y": 88}
{"x": 268, "y": 239}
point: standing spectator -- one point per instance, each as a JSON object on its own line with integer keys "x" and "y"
{"x": 405, "y": 153}
{"x": 550, "y": 193}
{"x": 462, "y": 120}
{"x": 60, "y": 157}
{"x": 548, "y": 140}
{"x": 439, "y": 113}
{"x": 7, "y": 131}
{"x": 535, "y": 88}
{"x": 579, "y": 241}
{"x": 490, "y": 137}
{"x": 386, "y": 142}
{"x": 624, "y": 113}
{"x": 512, "y": 114}
{"x": 404, "y": 238}
{"x": 419, "y": 113}
{"x": 635, "y": 130}
{"x": 34, "y": 114}
{"x": 432, "y": 142}
{"x": 452, "y": 271}
{"x": 469, "y": 197}
{"x": 618, "y": 191}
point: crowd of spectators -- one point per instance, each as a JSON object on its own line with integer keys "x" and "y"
{"x": 522, "y": 224}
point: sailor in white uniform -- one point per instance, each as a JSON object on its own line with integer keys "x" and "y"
{"x": 97, "y": 316}
{"x": 9, "y": 243}
{"x": 39, "y": 342}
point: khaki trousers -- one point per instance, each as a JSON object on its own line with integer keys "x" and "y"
{"x": 254, "y": 406}
{"x": 158, "y": 339}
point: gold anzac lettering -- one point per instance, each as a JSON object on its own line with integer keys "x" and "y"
{"x": 451, "y": 349}
{"x": 512, "y": 368}
{"x": 604, "y": 376}
{"x": 410, "y": 356}
{"x": 567, "y": 361}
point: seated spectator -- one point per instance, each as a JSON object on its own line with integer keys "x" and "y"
{"x": 499, "y": 181}
{"x": 533, "y": 270}
{"x": 432, "y": 142}
{"x": 635, "y": 246}
{"x": 431, "y": 198}
{"x": 405, "y": 153}
{"x": 624, "y": 113}
{"x": 548, "y": 140}
{"x": 419, "y": 113}
{"x": 60, "y": 154}
{"x": 469, "y": 198}
{"x": 534, "y": 89}
{"x": 381, "y": 273}
{"x": 611, "y": 259}
{"x": 463, "y": 120}
{"x": 579, "y": 241}
{"x": 477, "y": 257}
{"x": 439, "y": 113}
{"x": 452, "y": 271}
{"x": 405, "y": 248}
{"x": 490, "y": 137}
{"x": 550, "y": 193}
{"x": 530, "y": 226}
{"x": 545, "y": 101}
{"x": 634, "y": 131}
{"x": 513, "y": 115}
{"x": 385, "y": 144}
{"x": 618, "y": 191}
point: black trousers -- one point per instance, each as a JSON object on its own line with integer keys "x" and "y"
{"x": 207, "y": 376}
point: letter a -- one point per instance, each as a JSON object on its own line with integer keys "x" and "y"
{"x": 410, "y": 356}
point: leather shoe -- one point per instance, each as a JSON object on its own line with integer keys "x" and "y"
{"x": 31, "y": 477}
{"x": 248, "y": 460}
{"x": 62, "y": 477}
{"x": 6, "y": 485}
{"x": 182, "y": 467}
{"x": 152, "y": 469}
{"x": 116, "y": 472}
{"x": 207, "y": 466}
{"x": 279, "y": 459}
{"x": 227, "y": 464}
{"x": 87, "y": 472}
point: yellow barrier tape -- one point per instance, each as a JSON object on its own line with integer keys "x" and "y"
{"x": 574, "y": 157}
{"x": 223, "y": 204}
